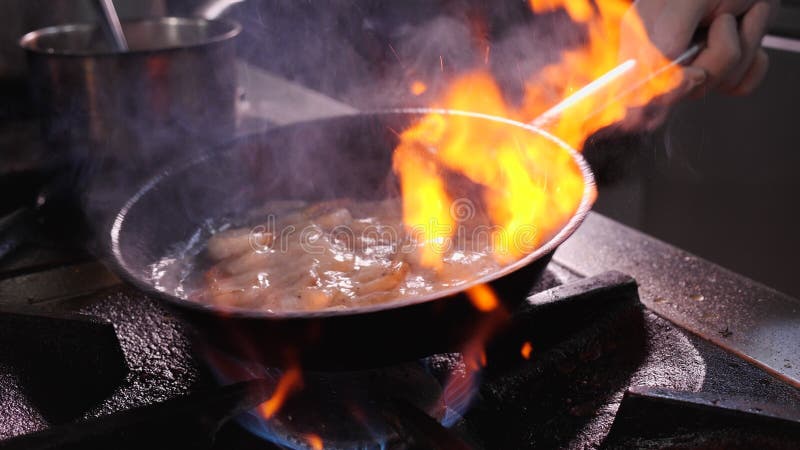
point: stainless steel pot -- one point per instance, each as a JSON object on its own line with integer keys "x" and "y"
{"x": 175, "y": 87}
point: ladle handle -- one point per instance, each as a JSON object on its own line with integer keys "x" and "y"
{"x": 613, "y": 75}
{"x": 111, "y": 25}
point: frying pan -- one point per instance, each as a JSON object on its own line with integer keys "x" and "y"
{"x": 347, "y": 156}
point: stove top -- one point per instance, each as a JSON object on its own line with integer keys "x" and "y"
{"x": 594, "y": 359}
{"x": 88, "y": 362}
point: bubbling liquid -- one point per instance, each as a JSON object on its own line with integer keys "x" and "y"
{"x": 329, "y": 255}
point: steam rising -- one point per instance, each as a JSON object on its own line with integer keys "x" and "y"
{"x": 369, "y": 54}
{"x": 366, "y": 56}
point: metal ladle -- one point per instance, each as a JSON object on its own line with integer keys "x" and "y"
{"x": 111, "y": 25}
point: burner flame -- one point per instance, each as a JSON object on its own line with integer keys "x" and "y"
{"x": 526, "y": 350}
{"x": 290, "y": 381}
{"x": 315, "y": 442}
{"x": 483, "y": 298}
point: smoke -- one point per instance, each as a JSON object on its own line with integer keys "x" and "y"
{"x": 366, "y": 54}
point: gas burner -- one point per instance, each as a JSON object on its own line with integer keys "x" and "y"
{"x": 365, "y": 409}
{"x": 382, "y": 407}
{"x": 68, "y": 361}
{"x": 580, "y": 364}
{"x": 186, "y": 422}
{"x": 658, "y": 418}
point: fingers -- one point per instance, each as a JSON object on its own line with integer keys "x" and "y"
{"x": 694, "y": 81}
{"x": 723, "y": 50}
{"x": 732, "y": 59}
{"x": 672, "y": 27}
{"x": 751, "y": 32}
{"x": 754, "y": 75}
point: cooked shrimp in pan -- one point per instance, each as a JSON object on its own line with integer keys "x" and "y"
{"x": 333, "y": 254}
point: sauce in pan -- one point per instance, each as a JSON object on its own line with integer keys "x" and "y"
{"x": 329, "y": 255}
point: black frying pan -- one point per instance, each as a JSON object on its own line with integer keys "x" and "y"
{"x": 348, "y": 156}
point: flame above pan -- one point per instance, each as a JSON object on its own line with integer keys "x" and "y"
{"x": 529, "y": 189}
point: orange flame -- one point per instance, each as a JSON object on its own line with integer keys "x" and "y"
{"x": 530, "y": 186}
{"x": 418, "y": 88}
{"x": 289, "y": 382}
{"x": 526, "y": 350}
{"x": 578, "y": 10}
{"x": 426, "y": 204}
{"x": 315, "y": 442}
{"x": 482, "y": 297}
{"x": 607, "y": 22}
{"x": 474, "y": 350}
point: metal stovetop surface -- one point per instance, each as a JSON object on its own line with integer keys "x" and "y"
{"x": 757, "y": 323}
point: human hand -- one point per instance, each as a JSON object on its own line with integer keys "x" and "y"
{"x": 732, "y": 60}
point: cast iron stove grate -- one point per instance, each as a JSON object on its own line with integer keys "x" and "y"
{"x": 590, "y": 342}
